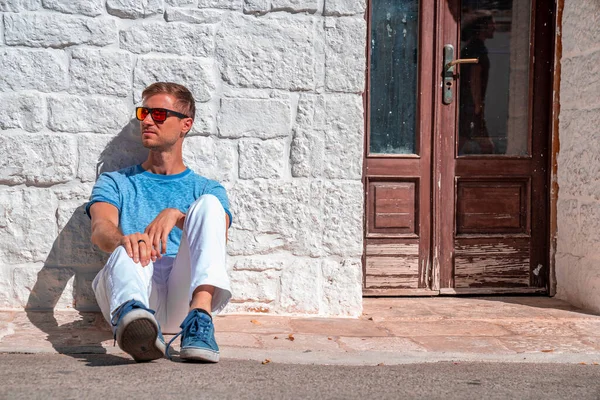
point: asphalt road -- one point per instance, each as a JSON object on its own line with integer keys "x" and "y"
{"x": 49, "y": 376}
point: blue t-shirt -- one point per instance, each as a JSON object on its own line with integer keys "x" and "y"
{"x": 140, "y": 196}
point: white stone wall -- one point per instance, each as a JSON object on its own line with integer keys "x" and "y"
{"x": 280, "y": 122}
{"x": 578, "y": 254}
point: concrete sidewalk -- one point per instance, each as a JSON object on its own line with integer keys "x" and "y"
{"x": 391, "y": 331}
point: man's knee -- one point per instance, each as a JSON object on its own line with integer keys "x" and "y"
{"x": 207, "y": 203}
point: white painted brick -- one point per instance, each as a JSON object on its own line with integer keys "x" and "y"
{"x": 261, "y": 159}
{"x": 88, "y": 114}
{"x": 344, "y": 7}
{"x": 343, "y": 206}
{"x": 205, "y": 123}
{"x": 90, "y": 8}
{"x": 225, "y": 4}
{"x": 27, "y": 224}
{"x": 37, "y": 159}
{"x": 302, "y": 287}
{"x": 73, "y": 246}
{"x": 310, "y": 6}
{"x": 345, "y": 55}
{"x": 43, "y": 70}
{"x": 268, "y": 52}
{"x": 58, "y": 30}
{"x": 254, "y": 118}
{"x": 199, "y": 75}
{"x": 342, "y": 287}
{"x": 246, "y": 242}
{"x": 181, "y": 3}
{"x": 135, "y": 8}
{"x": 105, "y": 72}
{"x": 19, "y": 5}
{"x": 257, "y": 286}
{"x": 210, "y": 157}
{"x": 264, "y": 208}
{"x": 85, "y": 299}
{"x": 307, "y": 153}
{"x": 173, "y": 37}
{"x": 256, "y": 6}
{"x": 6, "y": 287}
{"x": 22, "y": 110}
{"x": 258, "y": 264}
{"x": 201, "y": 16}
{"x": 41, "y": 288}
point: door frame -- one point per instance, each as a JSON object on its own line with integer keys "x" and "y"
{"x": 545, "y": 119}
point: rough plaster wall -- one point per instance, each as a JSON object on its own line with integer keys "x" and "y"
{"x": 577, "y": 255}
{"x": 280, "y": 123}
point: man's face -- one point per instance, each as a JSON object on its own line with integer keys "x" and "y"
{"x": 163, "y": 135}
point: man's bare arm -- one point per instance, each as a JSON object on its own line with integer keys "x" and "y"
{"x": 105, "y": 226}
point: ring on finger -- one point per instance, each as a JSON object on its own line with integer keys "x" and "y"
{"x": 141, "y": 241}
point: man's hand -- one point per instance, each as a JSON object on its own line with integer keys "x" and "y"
{"x": 159, "y": 229}
{"x": 138, "y": 247}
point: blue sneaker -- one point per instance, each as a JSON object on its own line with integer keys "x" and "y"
{"x": 197, "y": 338}
{"x": 138, "y": 333}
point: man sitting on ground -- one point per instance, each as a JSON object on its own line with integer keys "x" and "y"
{"x": 166, "y": 228}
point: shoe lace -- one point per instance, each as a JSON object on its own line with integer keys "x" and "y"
{"x": 194, "y": 326}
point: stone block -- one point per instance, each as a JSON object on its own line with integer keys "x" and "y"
{"x": 342, "y": 287}
{"x": 223, "y": 4}
{"x": 105, "y": 72}
{"x": 344, "y": 7}
{"x": 210, "y": 157}
{"x": 135, "y": 9}
{"x": 309, "y": 6}
{"x": 58, "y": 30}
{"x": 25, "y": 111}
{"x": 27, "y": 224}
{"x": 256, "y": 6}
{"x": 261, "y": 159}
{"x": 73, "y": 247}
{"x": 307, "y": 153}
{"x": 580, "y": 26}
{"x": 181, "y": 3}
{"x": 90, "y": 8}
{"x": 85, "y": 299}
{"x": 343, "y": 112}
{"x": 258, "y": 264}
{"x": 257, "y": 118}
{"x": 256, "y": 286}
{"x": 199, "y": 75}
{"x": 43, "y": 70}
{"x": 345, "y": 55}
{"x": 343, "y": 155}
{"x": 343, "y": 210}
{"x": 19, "y": 5}
{"x": 263, "y": 208}
{"x": 37, "y": 287}
{"x": 278, "y": 52}
{"x": 302, "y": 287}
{"x": 579, "y": 81}
{"x": 6, "y": 287}
{"x": 174, "y": 37}
{"x": 87, "y": 114}
{"x": 205, "y": 123}
{"x": 37, "y": 159}
{"x": 245, "y": 242}
{"x": 192, "y": 16}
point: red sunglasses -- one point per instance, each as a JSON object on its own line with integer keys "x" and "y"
{"x": 157, "y": 114}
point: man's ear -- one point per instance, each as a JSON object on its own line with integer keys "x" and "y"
{"x": 187, "y": 126}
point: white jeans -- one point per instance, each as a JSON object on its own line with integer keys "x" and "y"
{"x": 167, "y": 285}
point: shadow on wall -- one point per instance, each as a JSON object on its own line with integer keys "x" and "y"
{"x": 73, "y": 260}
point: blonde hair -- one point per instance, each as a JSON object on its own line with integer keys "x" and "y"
{"x": 185, "y": 101}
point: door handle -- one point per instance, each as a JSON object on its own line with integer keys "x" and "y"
{"x": 449, "y": 63}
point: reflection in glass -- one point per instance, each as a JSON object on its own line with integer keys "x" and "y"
{"x": 493, "y": 111}
{"x": 394, "y": 41}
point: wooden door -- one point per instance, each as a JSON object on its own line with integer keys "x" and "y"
{"x": 465, "y": 209}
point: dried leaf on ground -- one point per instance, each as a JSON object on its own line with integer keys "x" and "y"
{"x": 267, "y": 360}
{"x": 548, "y": 351}
{"x": 255, "y": 322}
{"x": 380, "y": 364}
{"x": 291, "y": 337}
{"x": 276, "y": 337}
{"x": 582, "y": 363}
{"x": 329, "y": 338}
